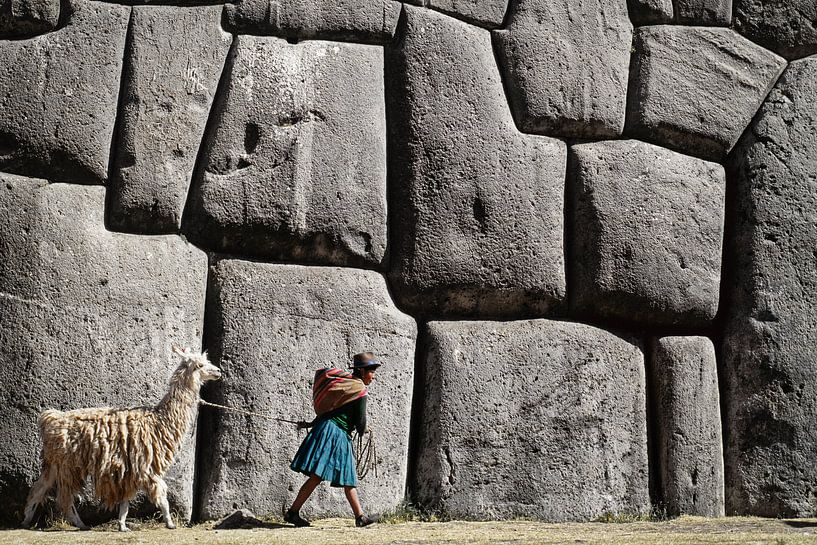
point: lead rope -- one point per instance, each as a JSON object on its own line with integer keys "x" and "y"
{"x": 242, "y": 411}
{"x": 365, "y": 454}
{"x": 365, "y": 450}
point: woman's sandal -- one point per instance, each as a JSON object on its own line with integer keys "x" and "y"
{"x": 293, "y": 517}
{"x": 363, "y": 520}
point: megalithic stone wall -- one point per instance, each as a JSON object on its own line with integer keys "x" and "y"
{"x": 628, "y": 185}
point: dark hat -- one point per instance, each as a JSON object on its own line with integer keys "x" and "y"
{"x": 365, "y": 360}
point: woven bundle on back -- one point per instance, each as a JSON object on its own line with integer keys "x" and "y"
{"x": 333, "y": 388}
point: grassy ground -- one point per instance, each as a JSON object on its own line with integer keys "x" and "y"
{"x": 686, "y": 530}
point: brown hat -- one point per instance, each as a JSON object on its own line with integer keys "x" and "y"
{"x": 365, "y": 360}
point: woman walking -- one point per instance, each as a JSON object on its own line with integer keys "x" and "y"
{"x": 339, "y": 400}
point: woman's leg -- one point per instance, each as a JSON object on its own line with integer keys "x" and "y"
{"x": 354, "y": 501}
{"x": 306, "y": 490}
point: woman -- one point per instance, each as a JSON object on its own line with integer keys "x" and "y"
{"x": 339, "y": 399}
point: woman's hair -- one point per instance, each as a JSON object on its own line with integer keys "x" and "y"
{"x": 360, "y": 358}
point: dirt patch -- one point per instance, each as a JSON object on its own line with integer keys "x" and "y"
{"x": 686, "y": 530}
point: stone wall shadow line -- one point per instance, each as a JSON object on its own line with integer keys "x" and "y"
{"x": 417, "y": 412}
{"x": 118, "y": 133}
{"x": 653, "y": 424}
{"x": 213, "y": 120}
{"x": 503, "y": 76}
{"x": 207, "y": 419}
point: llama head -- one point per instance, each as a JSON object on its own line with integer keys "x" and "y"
{"x": 195, "y": 367}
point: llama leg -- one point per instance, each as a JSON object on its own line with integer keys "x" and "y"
{"x": 123, "y": 514}
{"x": 37, "y": 494}
{"x": 65, "y": 499}
{"x": 158, "y": 495}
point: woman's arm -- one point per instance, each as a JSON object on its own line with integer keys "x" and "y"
{"x": 360, "y": 424}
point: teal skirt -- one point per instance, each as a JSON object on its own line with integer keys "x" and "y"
{"x": 327, "y": 453}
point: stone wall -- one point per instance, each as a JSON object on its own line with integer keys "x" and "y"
{"x": 580, "y": 234}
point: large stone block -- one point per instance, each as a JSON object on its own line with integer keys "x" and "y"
{"x": 689, "y": 439}
{"x": 58, "y": 96}
{"x": 787, "y": 27}
{"x": 87, "y": 318}
{"x": 366, "y": 21}
{"x": 695, "y": 89}
{"x": 269, "y": 328}
{"x": 172, "y": 66}
{"x": 295, "y": 167}
{"x": 769, "y": 367}
{"x": 536, "y": 419}
{"x": 21, "y": 18}
{"x": 648, "y": 231}
{"x": 650, "y": 12}
{"x": 485, "y": 13}
{"x": 566, "y": 66}
{"x": 479, "y": 205}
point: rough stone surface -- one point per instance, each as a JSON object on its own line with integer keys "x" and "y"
{"x": 367, "y": 21}
{"x": 648, "y": 232}
{"x": 787, "y": 27}
{"x": 173, "y": 63}
{"x": 704, "y": 12}
{"x": 58, "y": 95}
{"x": 295, "y": 167}
{"x": 89, "y": 318}
{"x": 650, "y": 12}
{"x": 23, "y": 18}
{"x": 270, "y": 328}
{"x": 769, "y": 367}
{"x": 534, "y": 418}
{"x": 690, "y": 443}
{"x": 479, "y": 205}
{"x": 695, "y": 89}
{"x": 566, "y": 65}
{"x": 485, "y": 13}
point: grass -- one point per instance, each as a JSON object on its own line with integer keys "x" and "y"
{"x": 401, "y": 527}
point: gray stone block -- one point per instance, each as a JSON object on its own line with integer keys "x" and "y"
{"x": 270, "y": 328}
{"x": 479, "y": 205}
{"x": 704, "y": 12}
{"x": 787, "y": 27}
{"x": 363, "y": 21}
{"x": 535, "y": 418}
{"x": 695, "y": 89}
{"x": 689, "y": 439}
{"x": 87, "y": 318}
{"x": 650, "y": 12}
{"x": 769, "y": 367}
{"x": 485, "y": 13}
{"x": 172, "y": 66}
{"x": 648, "y": 231}
{"x": 295, "y": 167}
{"x": 24, "y": 18}
{"x": 566, "y": 66}
{"x": 58, "y": 95}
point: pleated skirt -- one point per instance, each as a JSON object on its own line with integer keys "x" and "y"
{"x": 327, "y": 452}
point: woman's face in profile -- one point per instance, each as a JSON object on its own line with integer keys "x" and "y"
{"x": 368, "y": 375}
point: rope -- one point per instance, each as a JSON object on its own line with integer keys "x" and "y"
{"x": 365, "y": 450}
{"x": 365, "y": 454}
{"x": 242, "y": 411}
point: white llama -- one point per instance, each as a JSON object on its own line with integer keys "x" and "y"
{"x": 123, "y": 451}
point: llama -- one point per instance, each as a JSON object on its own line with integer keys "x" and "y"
{"x": 123, "y": 451}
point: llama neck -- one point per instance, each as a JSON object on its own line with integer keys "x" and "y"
{"x": 176, "y": 410}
